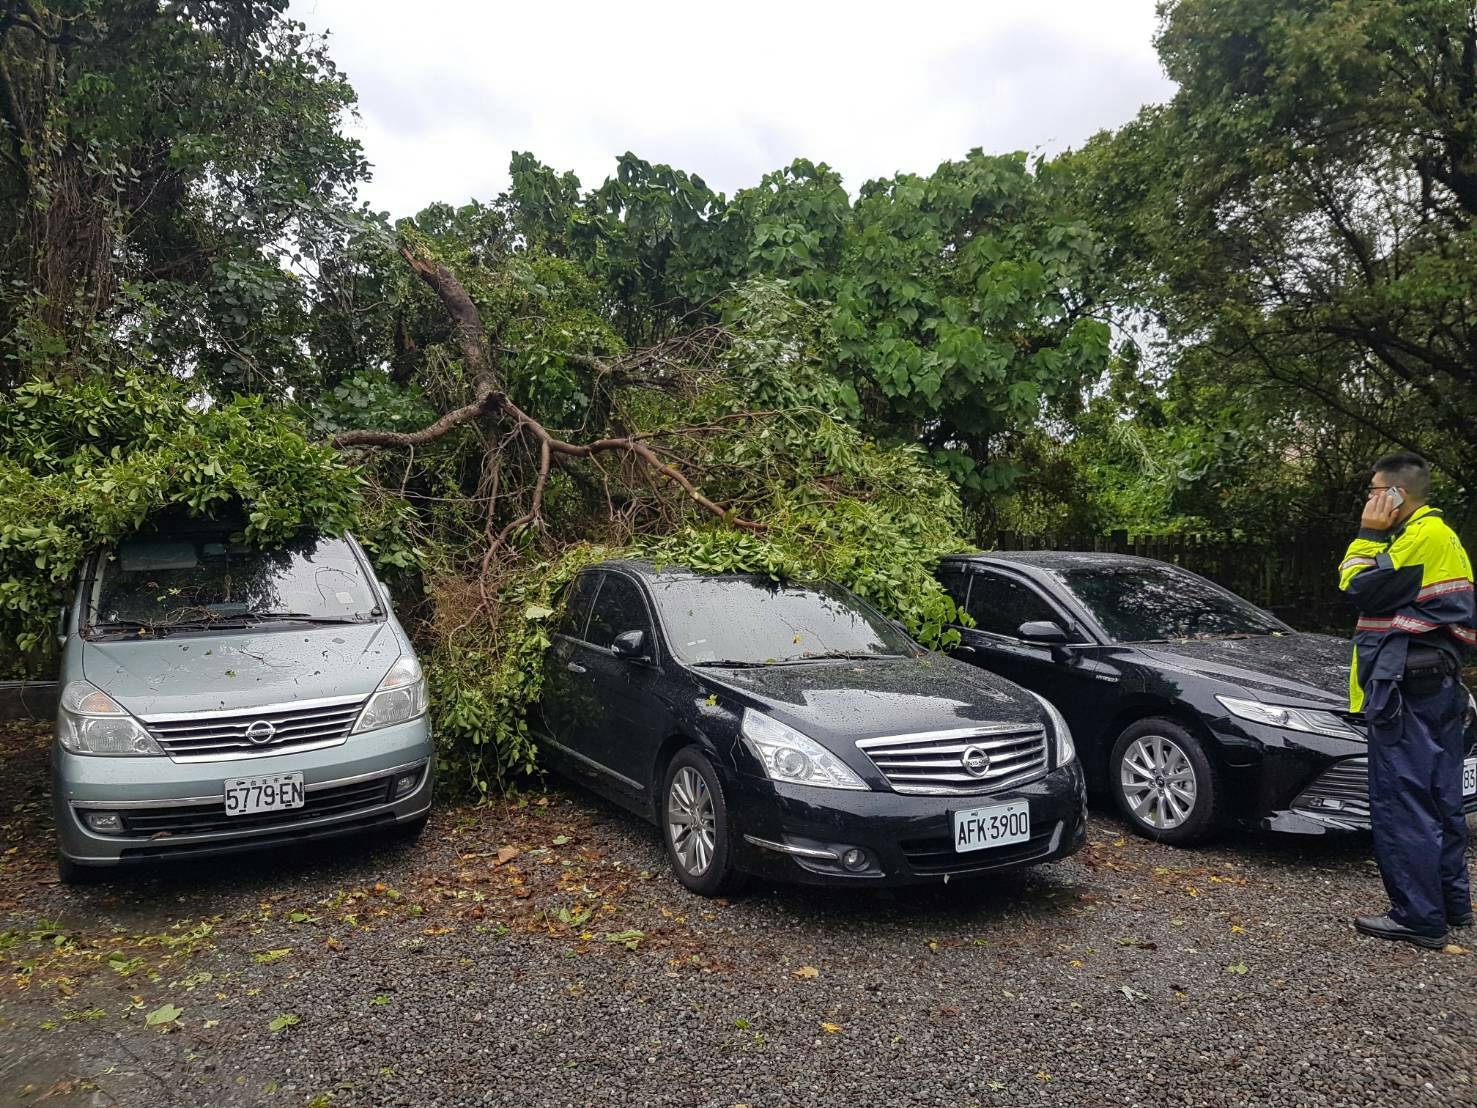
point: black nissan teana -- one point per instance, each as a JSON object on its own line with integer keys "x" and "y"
{"x": 790, "y": 730}
{"x": 1191, "y": 706}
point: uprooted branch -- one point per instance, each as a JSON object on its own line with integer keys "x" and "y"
{"x": 492, "y": 401}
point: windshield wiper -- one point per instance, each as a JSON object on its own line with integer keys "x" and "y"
{"x": 126, "y": 625}
{"x": 845, "y": 655}
{"x": 733, "y": 663}
{"x": 304, "y": 617}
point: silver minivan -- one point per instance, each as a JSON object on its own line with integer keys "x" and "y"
{"x": 216, "y": 697}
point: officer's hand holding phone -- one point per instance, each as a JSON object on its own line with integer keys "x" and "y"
{"x": 1382, "y": 509}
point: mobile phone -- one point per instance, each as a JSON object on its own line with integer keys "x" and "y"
{"x": 1396, "y": 497}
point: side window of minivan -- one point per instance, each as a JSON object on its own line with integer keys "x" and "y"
{"x": 619, "y": 608}
{"x": 577, "y": 607}
{"x": 1000, "y": 605}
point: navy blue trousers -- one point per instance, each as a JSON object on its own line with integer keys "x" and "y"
{"x": 1415, "y": 800}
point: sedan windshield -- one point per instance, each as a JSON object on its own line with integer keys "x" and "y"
{"x": 173, "y": 582}
{"x": 1142, "y": 603}
{"x": 755, "y": 621}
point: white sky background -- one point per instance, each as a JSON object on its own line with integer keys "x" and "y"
{"x": 449, "y": 88}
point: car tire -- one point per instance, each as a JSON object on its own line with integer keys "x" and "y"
{"x": 74, "y": 874}
{"x": 695, "y": 825}
{"x": 1165, "y": 782}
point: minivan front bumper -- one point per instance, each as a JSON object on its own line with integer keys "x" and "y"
{"x": 796, "y": 833}
{"x": 172, "y": 809}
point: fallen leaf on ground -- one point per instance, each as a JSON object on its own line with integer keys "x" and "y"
{"x": 830, "y": 1028}
{"x": 807, "y": 972}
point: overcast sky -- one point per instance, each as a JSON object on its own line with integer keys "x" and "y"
{"x": 448, "y": 88}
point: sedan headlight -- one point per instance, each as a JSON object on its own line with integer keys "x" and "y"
{"x": 787, "y": 755}
{"x": 1065, "y": 749}
{"x": 1313, "y": 721}
{"x": 89, "y": 721}
{"x": 401, "y": 697}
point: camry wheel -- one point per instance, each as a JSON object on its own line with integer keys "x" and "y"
{"x": 695, "y": 824}
{"x": 1165, "y": 783}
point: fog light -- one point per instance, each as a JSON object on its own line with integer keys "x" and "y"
{"x": 104, "y": 823}
{"x": 406, "y": 783}
{"x": 854, "y": 859}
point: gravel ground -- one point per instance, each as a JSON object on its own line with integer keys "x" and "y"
{"x": 541, "y": 954}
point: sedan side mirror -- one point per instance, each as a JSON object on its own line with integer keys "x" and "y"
{"x": 630, "y": 645}
{"x": 1047, "y": 632}
{"x": 61, "y": 626}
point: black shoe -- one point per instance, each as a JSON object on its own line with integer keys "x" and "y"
{"x": 1383, "y": 927}
{"x": 1459, "y": 921}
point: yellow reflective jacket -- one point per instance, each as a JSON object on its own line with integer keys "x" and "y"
{"x": 1411, "y": 583}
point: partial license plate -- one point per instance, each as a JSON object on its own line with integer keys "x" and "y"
{"x": 1469, "y": 777}
{"x": 997, "y": 825}
{"x": 246, "y": 796}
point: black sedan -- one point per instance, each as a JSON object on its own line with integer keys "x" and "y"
{"x": 790, "y": 730}
{"x": 1191, "y": 706}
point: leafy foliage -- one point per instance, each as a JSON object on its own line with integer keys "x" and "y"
{"x": 84, "y": 464}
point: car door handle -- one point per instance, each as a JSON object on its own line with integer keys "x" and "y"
{"x": 574, "y": 667}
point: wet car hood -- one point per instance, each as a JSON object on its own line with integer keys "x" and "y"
{"x": 247, "y": 669}
{"x": 1284, "y": 669}
{"x": 841, "y": 701}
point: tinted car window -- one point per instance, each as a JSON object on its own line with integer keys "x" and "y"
{"x": 204, "y": 578}
{"x": 618, "y": 608}
{"x": 577, "y": 605}
{"x": 1138, "y": 603}
{"x": 1000, "y": 605}
{"x": 956, "y": 584}
{"x": 754, "y": 619}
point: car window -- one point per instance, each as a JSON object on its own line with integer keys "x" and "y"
{"x": 754, "y": 620}
{"x": 1146, "y": 602}
{"x": 577, "y": 605}
{"x": 203, "y": 578}
{"x": 618, "y": 608}
{"x": 956, "y": 584}
{"x": 1000, "y": 605}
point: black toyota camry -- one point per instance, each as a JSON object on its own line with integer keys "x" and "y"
{"x": 1191, "y": 706}
{"x": 790, "y": 730}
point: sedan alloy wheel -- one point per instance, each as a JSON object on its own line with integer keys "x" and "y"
{"x": 1158, "y": 782}
{"x": 691, "y": 824}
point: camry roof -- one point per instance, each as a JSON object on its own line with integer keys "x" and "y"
{"x": 1055, "y": 559}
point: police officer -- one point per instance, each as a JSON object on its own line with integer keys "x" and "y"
{"x": 1411, "y": 581}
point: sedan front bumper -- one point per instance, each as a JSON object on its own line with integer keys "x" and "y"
{"x": 801, "y": 834}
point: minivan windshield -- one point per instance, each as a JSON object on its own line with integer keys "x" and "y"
{"x": 1143, "y": 603}
{"x": 193, "y": 581}
{"x": 743, "y": 620}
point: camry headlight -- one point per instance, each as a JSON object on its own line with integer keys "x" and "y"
{"x": 401, "y": 696}
{"x": 1065, "y": 750}
{"x": 89, "y": 721}
{"x": 787, "y": 755}
{"x": 1311, "y": 720}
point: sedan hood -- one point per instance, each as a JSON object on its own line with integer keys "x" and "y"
{"x": 1283, "y": 669}
{"x": 844, "y": 701}
{"x": 225, "y": 671}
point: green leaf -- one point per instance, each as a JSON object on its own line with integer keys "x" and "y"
{"x": 283, "y": 1022}
{"x": 165, "y": 1013}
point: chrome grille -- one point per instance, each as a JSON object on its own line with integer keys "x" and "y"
{"x": 933, "y": 763}
{"x": 219, "y": 736}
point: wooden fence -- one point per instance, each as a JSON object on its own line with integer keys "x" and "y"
{"x": 1295, "y": 580}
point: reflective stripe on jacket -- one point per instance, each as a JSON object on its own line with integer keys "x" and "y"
{"x": 1413, "y": 582}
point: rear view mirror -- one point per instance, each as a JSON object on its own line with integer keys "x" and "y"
{"x": 1044, "y": 631}
{"x": 630, "y": 645}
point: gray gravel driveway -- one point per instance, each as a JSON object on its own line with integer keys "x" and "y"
{"x": 540, "y": 953}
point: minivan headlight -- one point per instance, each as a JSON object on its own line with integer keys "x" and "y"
{"x": 1066, "y": 750}
{"x": 1313, "y": 721}
{"x": 89, "y": 721}
{"x": 787, "y": 755}
{"x": 401, "y": 697}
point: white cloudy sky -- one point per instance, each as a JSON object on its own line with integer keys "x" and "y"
{"x": 447, "y": 88}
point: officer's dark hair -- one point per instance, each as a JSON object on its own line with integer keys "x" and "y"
{"x": 1409, "y": 471}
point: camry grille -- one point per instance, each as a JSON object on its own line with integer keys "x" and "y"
{"x": 255, "y": 732}
{"x": 961, "y": 762}
{"x": 1342, "y": 790}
